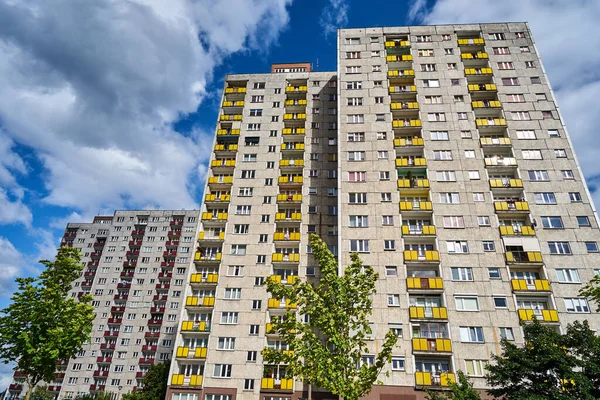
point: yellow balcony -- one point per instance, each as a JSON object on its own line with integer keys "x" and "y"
{"x": 209, "y": 258}
{"x": 291, "y": 163}
{"x": 406, "y": 123}
{"x": 418, "y": 230}
{"x": 506, "y": 183}
{"x": 209, "y": 216}
{"x": 500, "y": 161}
{"x": 213, "y": 198}
{"x": 486, "y": 104}
{"x": 193, "y": 301}
{"x": 429, "y": 256}
{"x": 436, "y": 345}
{"x": 411, "y": 162}
{"x": 235, "y": 90}
{"x": 417, "y": 312}
{"x": 196, "y": 380}
{"x": 417, "y": 183}
{"x": 478, "y": 71}
{"x": 511, "y": 206}
{"x": 300, "y": 102}
{"x": 482, "y": 87}
{"x": 285, "y": 217}
{"x": 222, "y": 179}
{"x": 426, "y": 379}
{"x": 397, "y": 43}
{"x": 203, "y": 236}
{"x": 480, "y": 55}
{"x": 229, "y": 147}
{"x": 402, "y": 89}
{"x": 189, "y": 326}
{"x": 222, "y": 163}
{"x": 177, "y": 379}
{"x": 510, "y": 231}
{"x": 280, "y": 257}
{"x": 490, "y": 122}
{"x": 410, "y": 142}
{"x": 289, "y": 198}
{"x": 399, "y": 57}
{"x": 269, "y": 328}
{"x": 290, "y": 179}
{"x": 287, "y": 117}
{"x": 409, "y": 105}
{"x": 282, "y": 384}
{"x": 231, "y": 117}
{"x": 295, "y": 131}
{"x": 292, "y": 146}
{"x": 200, "y": 352}
{"x": 199, "y": 278}
{"x": 524, "y": 257}
{"x": 424, "y": 283}
{"x": 541, "y": 315}
{"x": 539, "y": 285}
{"x": 498, "y": 141}
{"x": 473, "y": 41}
{"x": 415, "y": 206}
{"x": 296, "y": 89}
{"x": 401, "y": 73}
{"x": 226, "y": 132}
{"x": 293, "y": 236}
{"x": 183, "y": 352}
{"x": 238, "y": 103}
{"x": 289, "y": 280}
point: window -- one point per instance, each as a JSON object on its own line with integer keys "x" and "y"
{"x": 355, "y": 118}
{"x": 357, "y": 176}
{"x": 353, "y": 69}
{"x": 444, "y": 155}
{"x": 256, "y": 304}
{"x": 536, "y": 80}
{"x": 352, "y": 54}
{"x": 229, "y": 318}
{"x": 506, "y": 65}
{"x": 356, "y": 156}
{"x": 526, "y": 135}
{"x": 575, "y": 197}
{"x": 356, "y": 137}
{"x": 520, "y": 116}
{"x": 238, "y": 249}
{"x": 497, "y": 36}
{"x": 475, "y": 367}
{"x": 515, "y": 98}
{"x": 469, "y": 153}
{"x": 462, "y": 116}
{"x": 256, "y": 112}
{"x": 354, "y": 101}
{"x": 386, "y": 197}
{"x": 494, "y": 273}
{"x": 531, "y": 154}
{"x": 507, "y": 333}
{"x": 448, "y": 51}
{"x": 451, "y": 66}
{"x": 357, "y": 198}
{"x": 576, "y": 305}
{"x": 567, "y": 174}
{"x": 254, "y": 127}
{"x": 398, "y": 364}
{"x": 431, "y": 83}
{"x": 591, "y": 247}
{"x": 222, "y": 371}
{"x": 381, "y": 135}
{"x": 379, "y": 117}
{"x": 439, "y": 135}
{"x": 233, "y": 293}
{"x": 500, "y": 50}
{"x": 540, "y": 96}
{"x": 433, "y": 99}
{"x": 552, "y": 223}
{"x": 510, "y": 81}
{"x": 445, "y": 176}
{"x": 471, "y": 334}
{"x": 352, "y": 85}
{"x": 425, "y": 52}
{"x": 427, "y": 67}
{"x": 466, "y": 303}
{"x": 257, "y": 99}
{"x": 393, "y": 300}
{"x": 423, "y": 38}
{"x": 352, "y": 40}
{"x": 547, "y": 115}
{"x": 391, "y": 270}
{"x": 379, "y": 100}
{"x": 457, "y": 247}
{"x": 453, "y": 222}
{"x": 248, "y": 384}
{"x": 376, "y": 68}
{"x": 583, "y": 221}
{"x": 462, "y": 274}
{"x": 375, "y": 53}
{"x": 389, "y": 245}
{"x": 488, "y": 245}
{"x": 559, "y": 247}
{"x": 449, "y": 198}
{"x": 524, "y": 49}
{"x": 360, "y": 246}
{"x": 538, "y": 175}
{"x": 387, "y": 220}
{"x": 358, "y": 221}
{"x": 560, "y": 153}
{"x": 544, "y": 198}
{"x": 567, "y": 275}
{"x": 226, "y": 343}
{"x": 459, "y": 99}
{"x": 241, "y": 228}
{"x": 466, "y": 135}
{"x": 474, "y": 175}
{"x": 483, "y": 220}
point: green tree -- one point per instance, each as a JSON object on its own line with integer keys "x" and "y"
{"x": 154, "y": 384}
{"x": 95, "y": 396}
{"x": 41, "y": 393}
{"x": 42, "y": 325}
{"x": 548, "y": 366}
{"x": 461, "y": 390}
{"x": 591, "y": 291}
{"x": 329, "y": 347}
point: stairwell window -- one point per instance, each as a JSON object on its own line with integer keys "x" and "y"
{"x": 436, "y": 117}
{"x": 357, "y": 176}
{"x": 510, "y": 81}
{"x": 352, "y": 54}
{"x": 532, "y": 154}
{"x": 506, "y": 65}
{"x": 515, "y": 98}
{"x": 500, "y": 50}
{"x": 356, "y": 118}
{"x": 454, "y": 221}
{"x": 359, "y": 246}
{"x": 354, "y": 85}
{"x": 457, "y": 247}
{"x": 497, "y": 36}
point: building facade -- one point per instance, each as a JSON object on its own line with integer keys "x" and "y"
{"x": 436, "y": 152}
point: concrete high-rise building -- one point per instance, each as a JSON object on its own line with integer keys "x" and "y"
{"x": 436, "y": 152}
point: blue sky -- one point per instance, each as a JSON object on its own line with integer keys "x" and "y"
{"x": 107, "y": 105}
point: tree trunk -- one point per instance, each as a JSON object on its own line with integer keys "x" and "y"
{"x": 309, "y": 391}
{"x": 29, "y": 392}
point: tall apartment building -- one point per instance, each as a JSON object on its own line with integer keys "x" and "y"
{"x": 436, "y": 152}
{"x": 136, "y": 268}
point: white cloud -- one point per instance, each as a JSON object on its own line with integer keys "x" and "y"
{"x": 565, "y": 35}
{"x": 334, "y": 16}
{"x": 12, "y": 209}
{"x": 10, "y": 266}
{"x": 94, "y": 86}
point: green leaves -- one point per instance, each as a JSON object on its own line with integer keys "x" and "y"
{"x": 591, "y": 291}
{"x": 42, "y": 325}
{"x": 461, "y": 390}
{"x": 154, "y": 384}
{"x": 328, "y": 349}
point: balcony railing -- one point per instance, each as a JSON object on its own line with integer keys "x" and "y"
{"x": 413, "y": 183}
{"x": 417, "y": 312}
{"x": 194, "y": 326}
{"x": 478, "y": 71}
{"x": 506, "y": 183}
{"x": 471, "y": 41}
{"x": 401, "y": 73}
{"x": 538, "y": 285}
{"x": 418, "y": 229}
{"x": 432, "y": 345}
{"x": 192, "y": 301}
{"x": 430, "y": 379}
{"x": 280, "y": 257}
{"x": 496, "y": 141}
{"x": 228, "y": 132}
{"x": 486, "y": 104}
{"x": 427, "y": 256}
{"x": 500, "y": 161}
{"x": 199, "y": 278}
{"x": 214, "y": 198}
{"x": 226, "y": 147}
{"x": 277, "y": 384}
{"x": 289, "y": 280}
{"x": 542, "y": 315}
{"x": 411, "y": 162}
{"x": 288, "y": 217}
{"x": 292, "y": 198}
{"x": 482, "y": 87}
{"x": 403, "y": 89}
{"x": 425, "y": 283}
{"x": 397, "y": 43}
{"x": 408, "y": 142}
{"x": 293, "y": 236}
{"x": 474, "y": 56}
{"x": 399, "y": 57}
{"x": 510, "y": 230}
{"x": 415, "y": 206}
{"x": 180, "y": 380}
{"x": 407, "y": 105}
{"x": 524, "y": 257}
{"x": 186, "y": 352}
{"x": 485, "y": 122}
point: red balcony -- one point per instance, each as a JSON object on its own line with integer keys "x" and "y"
{"x": 155, "y": 322}
{"x": 124, "y": 285}
{"x": 140, "y": 232}
{"x": 174, "y": 234}
{"x": 135, "y": 243}
{"x": 144, "y": 361}
{"x": 165, "y": 264}
{"x": 89, "y": 274}
{"x": 100, "y": 373}
{"x": 134, "y": 389}
{"x": 121, "y": 297}
{"x": 59, "y": 375}
{"x": 148, "y": 347}
{"x": 172, "y": 243}
{"x": 54, "y": 389}
{"x": 157, "y": 310}
{"x": 66, "y": 244}
{"x": 62, "y": 362}
{"x": 165, "y": 275}
{"x": 96, "y": 254}
{"x": 176, "y": 223}
{"x": 93, "y": 264}
{"x": 163, "y": 286}
{"x": 160, "y": 297}
{"x": 15, "y": 387}
{"x": 133, "y": 253}
{"x": 111, "y": 333}
{"x": 79, "y": 294}
{"x": 152, "y": 334}
{"x": 104, "y": 360}
{"x": 20, "y": 374}
{"x": 86, "y": 284}
{"x": 170, "y": 253}
{"x": 97, "y": 388}
{"x": 115, "y": 321}
{"x": 117, "y": 309}
{"x": 127, "y": 274}
{"x": 70, "y": 234}
{"x": 99, "y": 244}
{"x": 131, "y": 264}
{"x": 140, "y": 375}
{"x": 108, "y": 346}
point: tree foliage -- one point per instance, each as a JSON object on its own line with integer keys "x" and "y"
{"x": 329, "y": 347}
{"x": 591, "y": 291}
{"x": 42, "y": 325}
{"x": 549, "y": 365}
{"x": 41, "y": 393}
{"x": 154, "y": 384}
{"x": 96, "y": 396}
{"x": 461, "y": 390}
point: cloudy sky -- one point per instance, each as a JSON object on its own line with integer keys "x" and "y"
{"x": 109, "y": 104}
